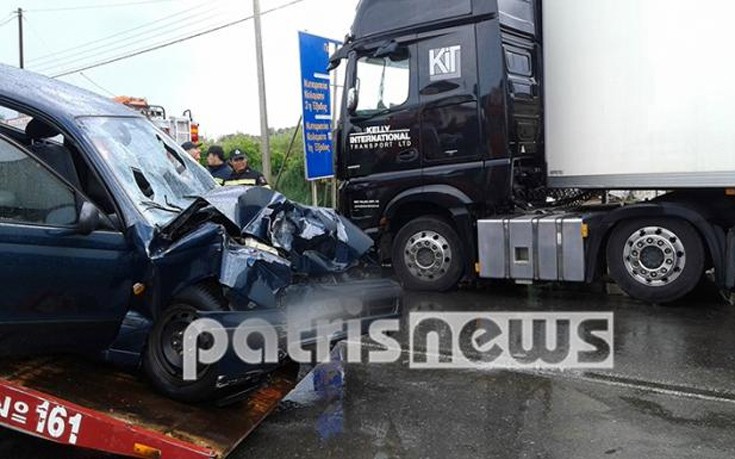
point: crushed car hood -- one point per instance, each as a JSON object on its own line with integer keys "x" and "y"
{"x": 264, "y": 242}
{"x": 316, "y": 240}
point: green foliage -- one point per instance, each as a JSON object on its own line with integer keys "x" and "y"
{"x": 291, "y": 166}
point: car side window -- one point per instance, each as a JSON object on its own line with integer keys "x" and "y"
{"x": 31, "y": 194}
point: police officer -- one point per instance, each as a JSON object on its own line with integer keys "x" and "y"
{"x": 242, "y": 173}
{"x": 217, "y": 165}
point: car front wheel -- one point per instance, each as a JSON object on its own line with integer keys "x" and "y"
{"x": 163, "y": 357}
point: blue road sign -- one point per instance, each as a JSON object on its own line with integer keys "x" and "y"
{"x": 317, "y": 105}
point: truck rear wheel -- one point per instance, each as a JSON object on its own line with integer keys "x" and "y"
{"x": 427, "y": 255}
{"x": 656, "y": 260}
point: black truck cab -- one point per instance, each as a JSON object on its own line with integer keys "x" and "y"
{"x": 442, "y": 115}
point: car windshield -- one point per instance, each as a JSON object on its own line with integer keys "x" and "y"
{"x": 160, "y": 178}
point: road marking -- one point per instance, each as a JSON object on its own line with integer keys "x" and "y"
{"x": 653, "y": 386}
{"x": 608, "y": 379}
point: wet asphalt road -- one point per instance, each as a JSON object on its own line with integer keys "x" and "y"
{"x": 671, "y": 394}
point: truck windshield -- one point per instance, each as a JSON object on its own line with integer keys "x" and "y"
{"x": 382, "y": 83}
{"x": 160, "y": 178}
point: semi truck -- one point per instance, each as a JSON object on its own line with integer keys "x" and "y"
{"x": 475, "y": 134}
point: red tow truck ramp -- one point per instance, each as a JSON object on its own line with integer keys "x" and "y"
{"x": 92, "y": 406}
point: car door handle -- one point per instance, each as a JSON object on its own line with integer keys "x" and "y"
{"x": 408, "y": 156}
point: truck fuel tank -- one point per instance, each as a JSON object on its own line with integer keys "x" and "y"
{"x": 533, "y": 248}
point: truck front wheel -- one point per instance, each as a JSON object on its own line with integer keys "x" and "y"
{"x": 427, "y": 255}
{"x": 656, "y": 260}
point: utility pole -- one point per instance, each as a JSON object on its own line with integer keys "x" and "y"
{"x": 265, "y": 149}
{"x": 20, "y": 35}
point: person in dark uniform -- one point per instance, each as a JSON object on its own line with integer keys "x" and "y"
{"x": 242, "y": 173}
{"x": 217, "y": 165}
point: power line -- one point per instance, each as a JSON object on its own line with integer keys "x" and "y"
{"x": 120, "y": 33}
{"x": 10, "y": 17}
{"x": 56, "y": 55}
{"x": 173, "y": 42}
{"x": 97, "y": 85}
{"x": 45, "y": 45}
{"x": 98, "y": 6}
{"x": 105, "y": 49}
{"x": 35, "y": 34}
{"x": 166, "y": 33}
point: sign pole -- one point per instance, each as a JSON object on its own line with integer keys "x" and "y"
{"x": 333, "y": 76}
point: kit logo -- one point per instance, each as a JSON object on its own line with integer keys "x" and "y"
{"x": 445, "y": 63}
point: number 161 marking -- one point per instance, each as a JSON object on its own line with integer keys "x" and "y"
{"x": 54, "y": 422}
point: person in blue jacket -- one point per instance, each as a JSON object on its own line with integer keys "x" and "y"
{"x": 216, "y": 164}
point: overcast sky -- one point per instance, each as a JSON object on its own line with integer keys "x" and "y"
{"x": 213, "y": 75}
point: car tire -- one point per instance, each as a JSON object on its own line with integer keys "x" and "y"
{"x": 657, "y": 260}
{"x": 427, "y": 255}
{"x": 162, "y": 359}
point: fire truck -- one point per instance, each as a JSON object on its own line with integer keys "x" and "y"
{"x": 180, "y": 128}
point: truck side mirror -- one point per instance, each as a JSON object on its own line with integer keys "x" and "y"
{"x": 89, "y": 219}
{"x": 352, "y": 100}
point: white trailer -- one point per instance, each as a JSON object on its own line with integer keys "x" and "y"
{"x": 637, "y": 93}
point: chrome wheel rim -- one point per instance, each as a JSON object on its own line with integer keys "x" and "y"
{"x": 428, "y": 255}
{"x": 654, "y": 256}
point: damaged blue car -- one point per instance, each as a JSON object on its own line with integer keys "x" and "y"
{"x": 114, "y": 240}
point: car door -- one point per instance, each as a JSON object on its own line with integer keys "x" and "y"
{"x": 62, "y": 291}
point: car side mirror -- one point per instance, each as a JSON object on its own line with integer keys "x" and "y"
{"x": 89, "y": 219}
{"x": 352, "y": 101}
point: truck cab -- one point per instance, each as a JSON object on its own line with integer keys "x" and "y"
{"x": 442, "y": 117}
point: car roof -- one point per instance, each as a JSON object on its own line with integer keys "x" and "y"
{"x": 56, "y": 98}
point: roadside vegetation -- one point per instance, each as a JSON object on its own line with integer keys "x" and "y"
{"x": 291, "y": 166}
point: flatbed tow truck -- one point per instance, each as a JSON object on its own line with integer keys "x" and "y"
{"x": 86, "y": 405}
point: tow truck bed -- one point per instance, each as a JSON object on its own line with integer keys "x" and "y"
{"x": 90, "y": 405}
